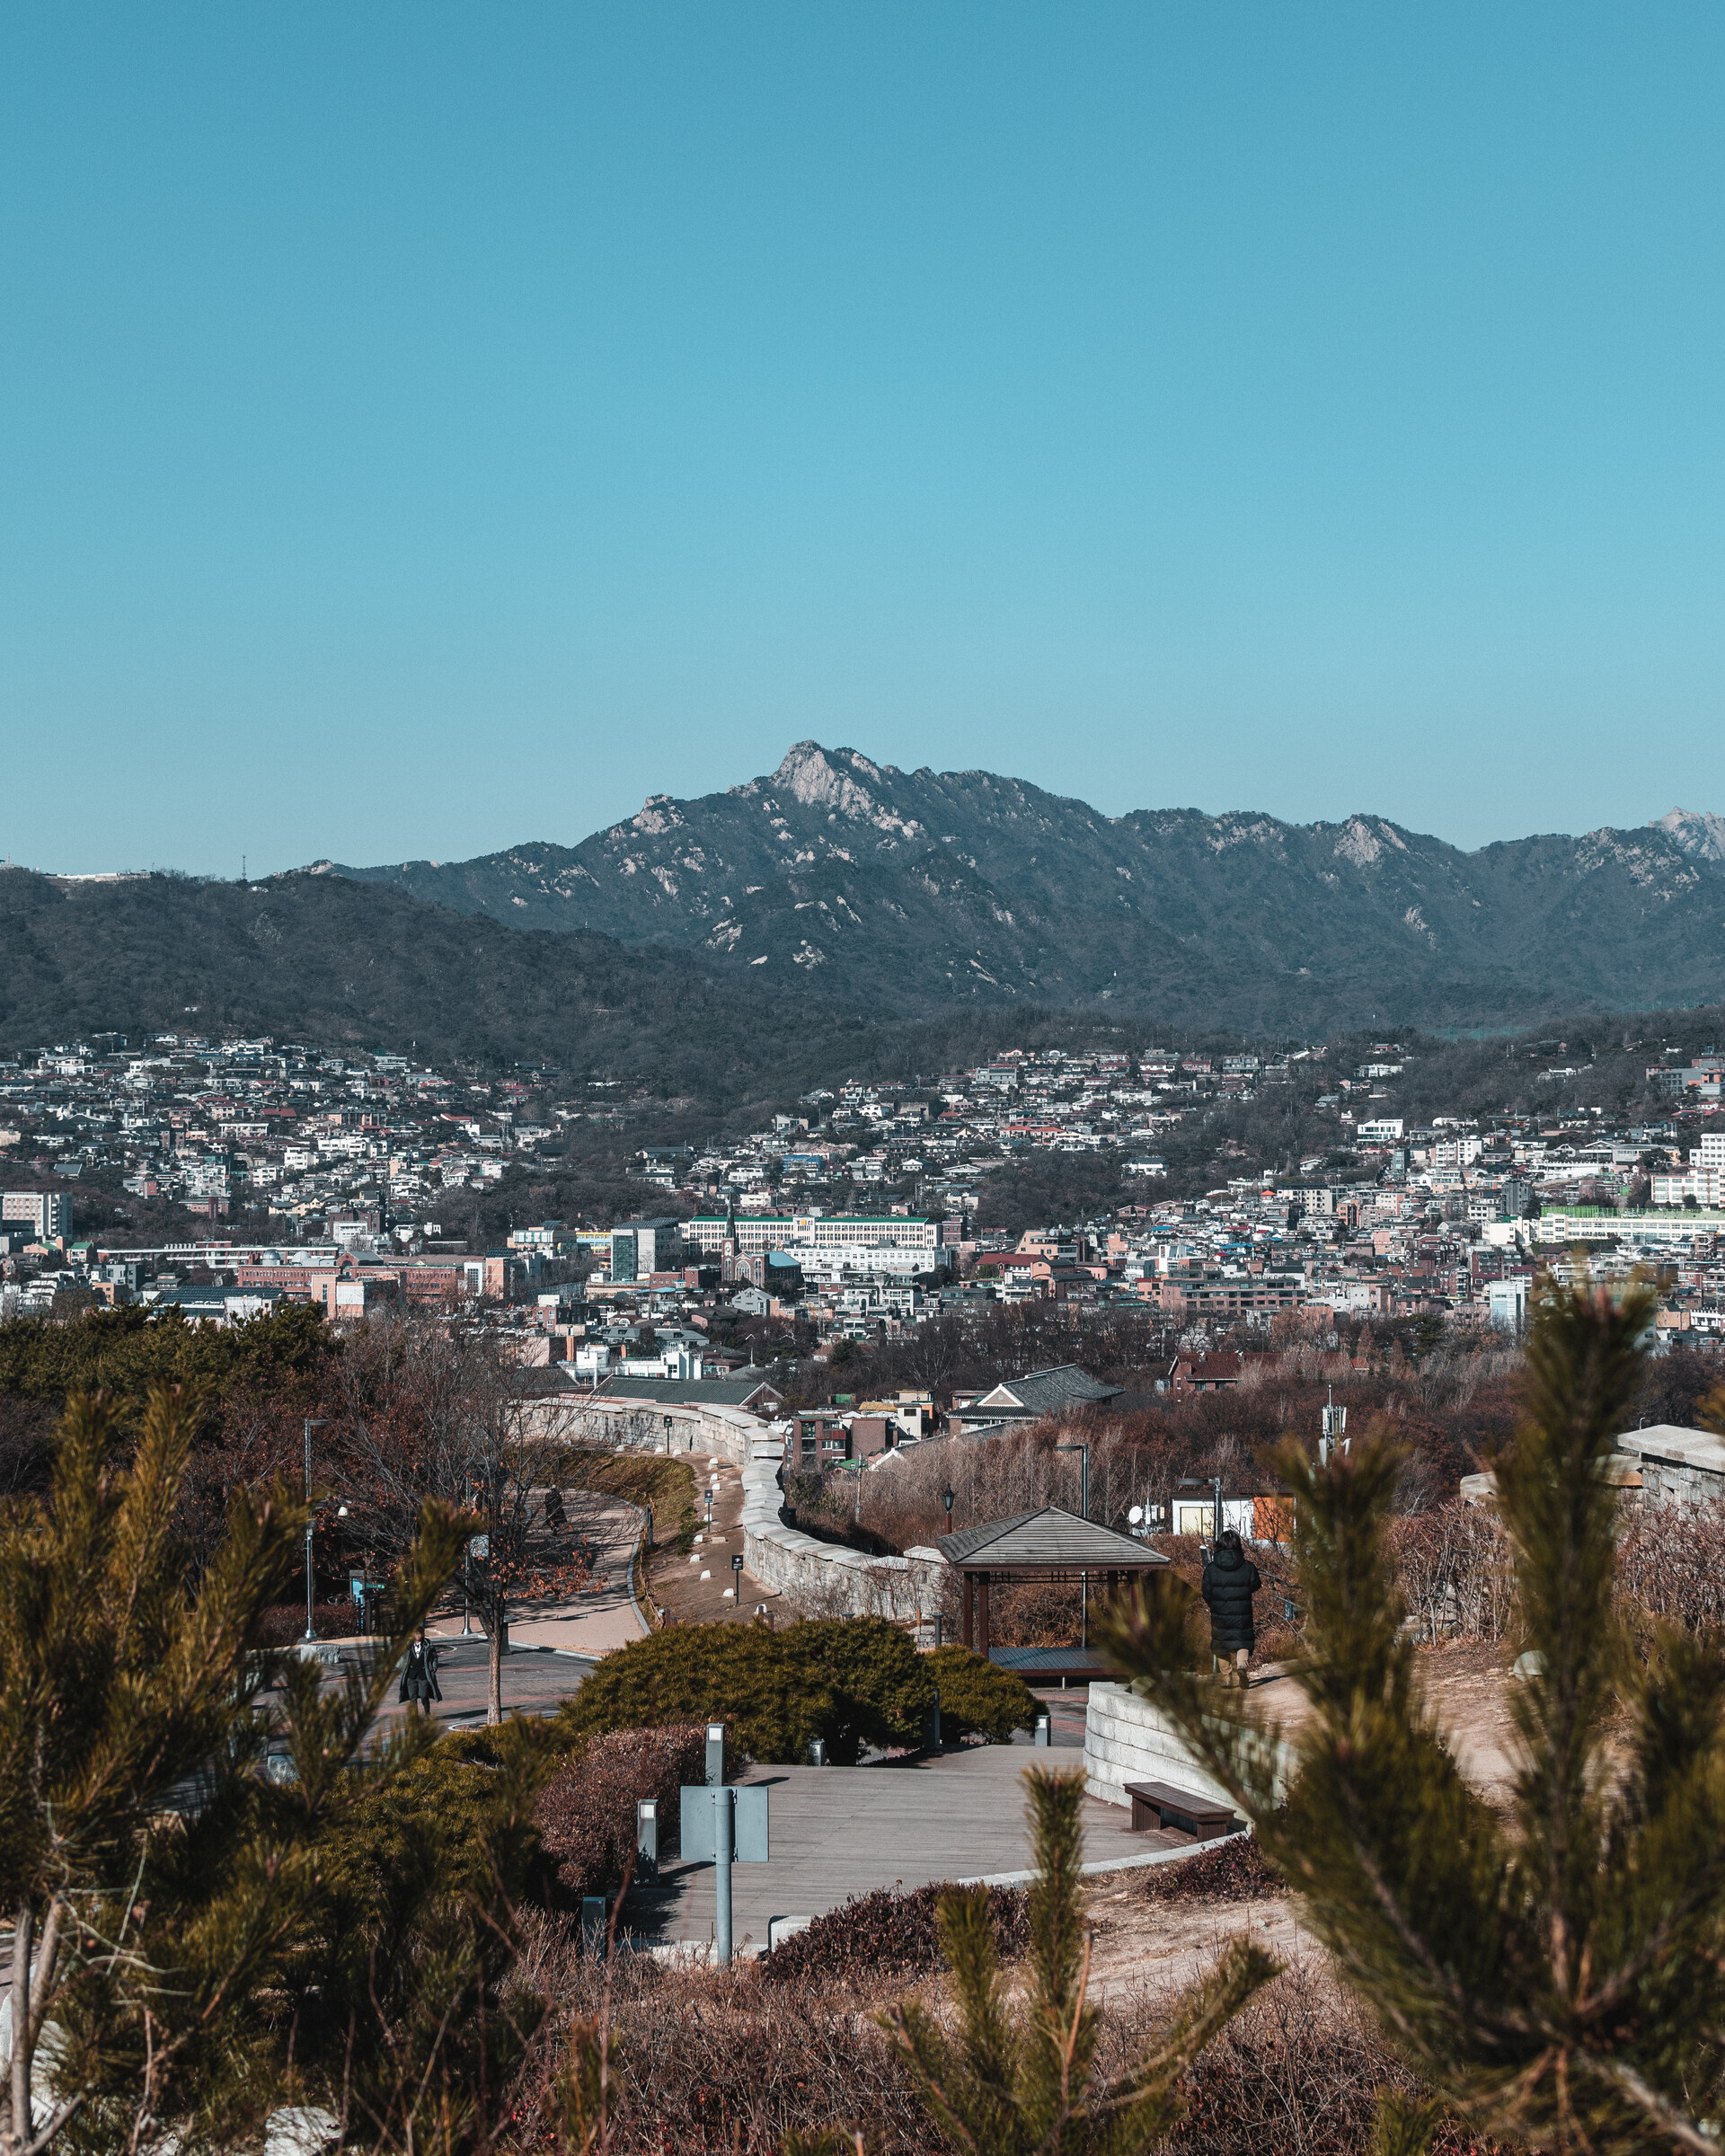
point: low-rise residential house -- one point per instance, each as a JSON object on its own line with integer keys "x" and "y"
{"x": 1055, "y": 1394}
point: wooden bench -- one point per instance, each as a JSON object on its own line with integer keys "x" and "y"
{"x": 1202, "y": 1817}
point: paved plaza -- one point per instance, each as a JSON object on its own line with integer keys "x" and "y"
{"x": 837, "y": 1831}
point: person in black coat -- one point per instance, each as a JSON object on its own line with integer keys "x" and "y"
{"x": 420, "y": 1672}
{"x": 1230, "y": 1581}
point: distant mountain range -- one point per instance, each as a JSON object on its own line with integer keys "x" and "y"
{"x": 840, "y": 880}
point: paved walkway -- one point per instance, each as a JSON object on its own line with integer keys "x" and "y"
{"x": 837, "y": 1832}
{"x": 590, "y": 1624}
{"x": 532, "y": 1682}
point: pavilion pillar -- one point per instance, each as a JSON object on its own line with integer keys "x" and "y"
{"x": 968, "y": 1608}
{"x": 982, "y": 1615}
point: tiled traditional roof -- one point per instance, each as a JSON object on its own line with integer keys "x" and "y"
{"x": 1048, "y": 1537}
{"x": 1043, "y": 1392}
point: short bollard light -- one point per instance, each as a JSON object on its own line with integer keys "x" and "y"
{"x": 647, "y": 1841}
{"x": 1044, "y": 1730}
{"x": 816, "y": 1751}
{"x": 593, "y": 1925}
{"x": 715, "y": 1755}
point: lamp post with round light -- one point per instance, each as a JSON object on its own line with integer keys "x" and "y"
{"x": 312, "y": 1422}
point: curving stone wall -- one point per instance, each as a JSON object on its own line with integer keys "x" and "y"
{"x": 697, "y": 1430}
{"x": 825, "y": 1576}
{"x": 1127, "y": 1739}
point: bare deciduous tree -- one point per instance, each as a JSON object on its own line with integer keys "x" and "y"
{"x": 431, "y": 1407}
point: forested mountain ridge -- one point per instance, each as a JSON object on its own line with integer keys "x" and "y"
{"x": 912, "y": 890}
{"x": 324, "y": 960}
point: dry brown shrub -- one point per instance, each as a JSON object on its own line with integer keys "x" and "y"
{"x": 1456, "y": 1570}
{"x": 285, "y": 1625}
{"x": 585, "y": 1812}
{"x": 1671, "y": 1565}
{"x": 886, "y": 1936}
{"x": 1297, "y": 2073}
{"x": 1234, "y": 1870}
{"x": 715, "y": 2062}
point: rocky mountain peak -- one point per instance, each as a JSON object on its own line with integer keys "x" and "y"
{"x": 1699, "y": 833}
{"x": 820, "y": 780}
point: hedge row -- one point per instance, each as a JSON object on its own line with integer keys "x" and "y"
{"x": 888, "y": 1934}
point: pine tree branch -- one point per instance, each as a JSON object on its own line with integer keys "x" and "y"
{"x": 937, "y": 2073}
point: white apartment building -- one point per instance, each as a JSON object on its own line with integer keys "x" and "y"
{"x": 836, "y": 1235}
{"x": 45, "y": 1213}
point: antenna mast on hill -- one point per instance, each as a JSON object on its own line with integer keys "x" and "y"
{"x": 1335, "y": 1422}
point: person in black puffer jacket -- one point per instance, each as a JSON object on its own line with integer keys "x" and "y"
{"x": 1230, "y": 1582}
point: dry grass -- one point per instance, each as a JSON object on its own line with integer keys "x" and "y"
{"x": 717, "y": 2062}
{"x": 1297, "y": 2072}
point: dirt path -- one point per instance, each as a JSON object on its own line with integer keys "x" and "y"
{"x": 1142, "y": 1942}
{"x": 1471, "y": 1691}
{"x": 1138, "y": 1941}
{"x": 692, "y": 1589}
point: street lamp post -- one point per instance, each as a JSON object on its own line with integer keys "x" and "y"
{"x": 312, "y": 1422}
{"x": 668, "y": 1437}
{"x": 467, "y": 1572}
{"x": 1214, "y": 1484}
{"x": 1084, "y": 1508}
{"x": 946, "y": 1499}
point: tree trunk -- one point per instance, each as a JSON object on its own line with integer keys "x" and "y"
{"x": 499, "y": 1628}
{"x": 17, "y": 2120}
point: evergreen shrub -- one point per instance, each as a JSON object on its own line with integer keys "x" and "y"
{"x": 979, "y": 1698}
{"x": 852, "y": 1680}
{"x": 878, "y": 1687}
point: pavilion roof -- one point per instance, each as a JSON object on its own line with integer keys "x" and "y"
{"x": 1049, "y": 1537}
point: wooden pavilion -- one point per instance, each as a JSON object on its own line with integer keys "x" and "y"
{"x": 1048, "y": 1545}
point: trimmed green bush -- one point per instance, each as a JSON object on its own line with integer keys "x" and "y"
{"x": 979, "y": 1698}
{"x": 853, "y": 1681}
{"x": 732, "y": 1673}
{"x": 877, "y": 1684}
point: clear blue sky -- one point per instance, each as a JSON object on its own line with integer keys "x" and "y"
{"x": 428, "y": 427}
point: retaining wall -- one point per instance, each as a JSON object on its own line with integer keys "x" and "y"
{"x": 827, "y": 1578}
{"x": 1127, "y": 1739}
